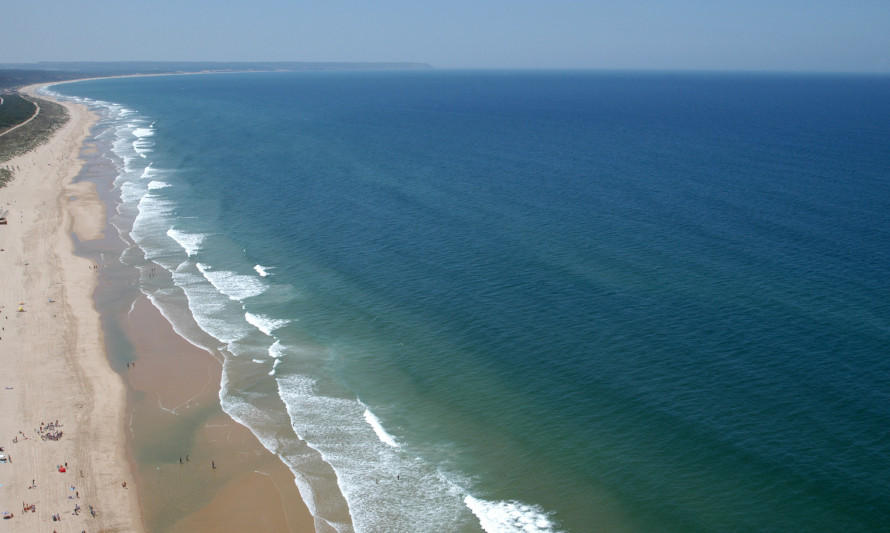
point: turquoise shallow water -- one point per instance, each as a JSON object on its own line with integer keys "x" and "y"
{"x": 523, "y": 301}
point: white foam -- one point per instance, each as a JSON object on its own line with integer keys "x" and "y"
{"x": 237, "y": 287}
{"x": 264, "y": 323}
{"x": 149, "y": 230}
{"x": 215, "y": 314}
{"x": 374, "y": 422}
{"x": 190, "y": 242}
{"x": 386, "y": 488}
{"x": 143, "y": 132}
{"x": 170, "y": 313}
{"x": 142, "y": 147}
{"x": 121, "y": 146}
{"x": 281, "y": 444}
{"x": 153, "y": 206}
{"x": 509, "y": 516}
{"x": 149, "y": 172}
{"x": 261, "y": 270}
{"x": 131, "y": 192}
{"x": 276, "y": 351}
{"x": 154, "y": 185}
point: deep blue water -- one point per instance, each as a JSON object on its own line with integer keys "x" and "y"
{"x": 546, "y": 300}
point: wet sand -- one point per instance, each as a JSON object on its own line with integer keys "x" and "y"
{"x": 201, "y": 470}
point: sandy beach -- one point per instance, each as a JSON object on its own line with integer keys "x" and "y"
{"x": 62, "y": 402}
{"x": 69, "y": 408}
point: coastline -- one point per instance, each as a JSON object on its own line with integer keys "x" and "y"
{"x": 177, "y": 428}
{"x": 63, "y": 364}
{"x": 195, "y": 467}
{"x": 55, "y": 366}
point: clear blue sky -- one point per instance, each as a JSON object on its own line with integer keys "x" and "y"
{"x": 790, "y": 35}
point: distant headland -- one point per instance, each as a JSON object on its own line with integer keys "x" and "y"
{"x": 13, "y": 75}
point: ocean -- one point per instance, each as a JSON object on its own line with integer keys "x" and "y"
{"x": 530, "y": 301}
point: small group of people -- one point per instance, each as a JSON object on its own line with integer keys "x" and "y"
{"x": 55, "y": 435}
{"x": 29, "y": 507}
{"x": 50, "y": 431}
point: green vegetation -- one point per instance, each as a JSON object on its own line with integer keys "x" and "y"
{"x": 31, "y": 135}
{"x": 14, "y": 110}
{"x": 11, "y": 78}
{"x": 13, "y": 75}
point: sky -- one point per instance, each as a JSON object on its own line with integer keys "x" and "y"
{"x": 760, "y": 35}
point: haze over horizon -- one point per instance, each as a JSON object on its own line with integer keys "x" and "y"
{"x": 778, "y": 35}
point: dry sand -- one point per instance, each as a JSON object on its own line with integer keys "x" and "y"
{"x": 54, "y": 366}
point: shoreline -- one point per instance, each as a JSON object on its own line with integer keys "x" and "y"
{"x": 250, "y": 488}
{"x": 177, "y": 428}
{"x": 55, "y": 366}
{"x": 201, "y": 470}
